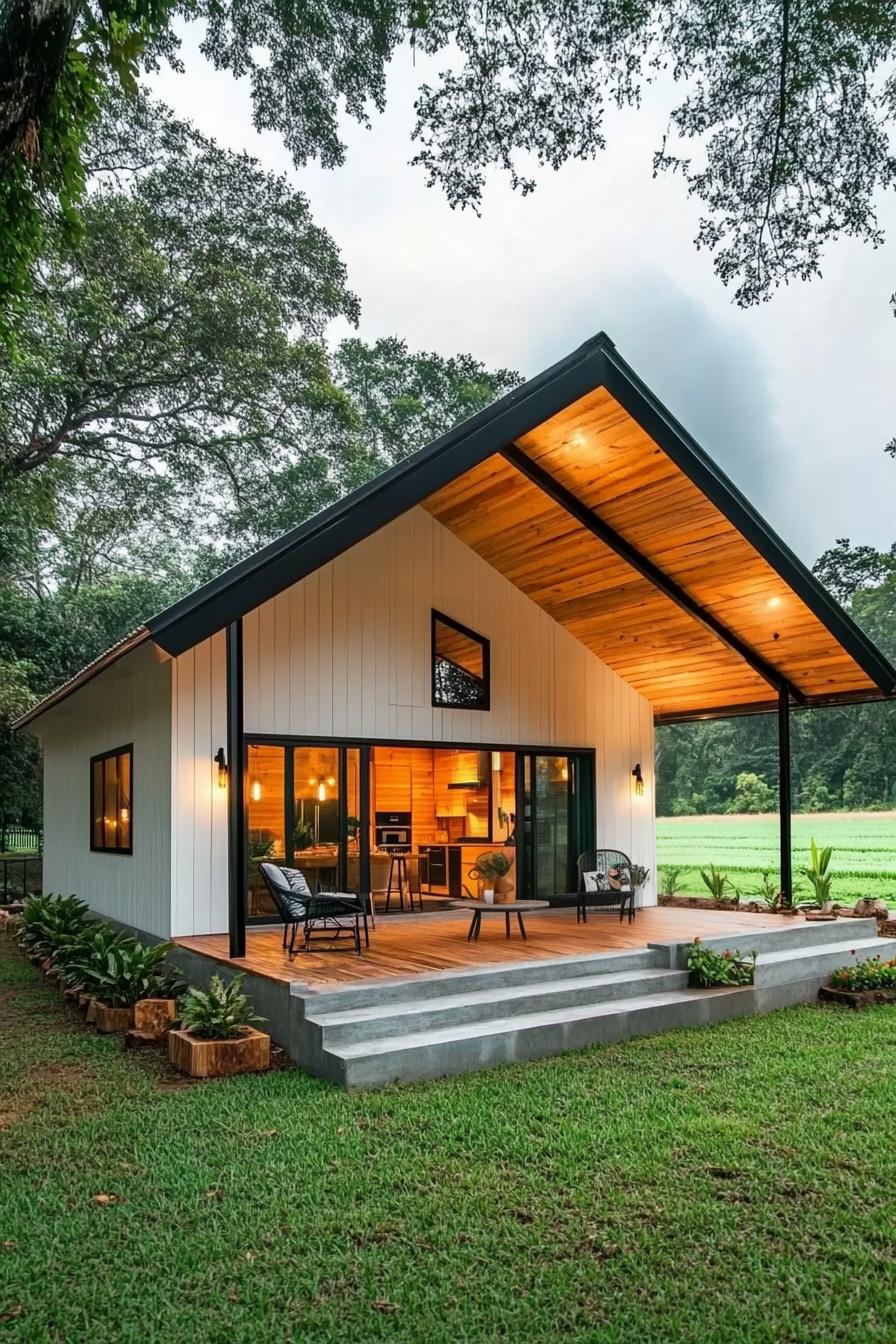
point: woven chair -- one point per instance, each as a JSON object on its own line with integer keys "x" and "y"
{"x": 326, "y": 915}
{"x": 605, "y": 883}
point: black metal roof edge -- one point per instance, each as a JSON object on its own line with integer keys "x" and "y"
{"x": 632, "y": 393}
{"x": 840, "y": 700}
{"x": 363, "y": 511}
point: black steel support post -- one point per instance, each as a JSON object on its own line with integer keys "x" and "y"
{"x": 236, "y": 793}
{"x": 784, "y": 791}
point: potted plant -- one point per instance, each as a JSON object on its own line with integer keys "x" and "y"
{"x": 708, "y": 969}
{"x": 820, "y": 880}
{"x": 492, "y": 869}
{"x": 216, "y": 1036}
{"x": 48, "y": 921}
{"x": 638, "y": 875}
{"x": 861, "y": 984}
{"x": 120, "y": 976}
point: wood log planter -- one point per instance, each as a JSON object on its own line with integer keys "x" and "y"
{"x": 217, "y": 1037}
{"x": 108, "y": 1019}
{"x": 201, "y": 1058}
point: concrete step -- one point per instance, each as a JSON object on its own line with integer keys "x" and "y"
{"x": 500, "y": 1040}
{"x": 377, "y": 993}
{"x": 379, "y": 1020}
{"x": 795, "y": 934}
{"x": 796, "y": 964}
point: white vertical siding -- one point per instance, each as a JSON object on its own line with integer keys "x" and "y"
{"x": 130, "y": 702}
{"x": 346, "y": 653}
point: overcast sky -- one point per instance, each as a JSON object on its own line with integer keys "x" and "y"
{"x": 795, "y": 399}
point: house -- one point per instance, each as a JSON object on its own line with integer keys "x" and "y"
{"x": 470, "y": 651}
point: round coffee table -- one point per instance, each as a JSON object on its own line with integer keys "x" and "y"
{"x": 505, "y": 908}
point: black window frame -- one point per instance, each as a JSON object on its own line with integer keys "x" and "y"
{"x": 486, "y": 661}
{"x": 126, "y": 750}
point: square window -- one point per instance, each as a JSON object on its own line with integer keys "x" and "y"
{"x": 460, "y": 665}
{"x": 111, "y": 802}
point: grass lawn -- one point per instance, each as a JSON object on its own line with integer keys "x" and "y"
{"x": 864, "y": 843}
{"x": 735, "y": 1183}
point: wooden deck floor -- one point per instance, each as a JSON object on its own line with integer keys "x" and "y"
{"x": 419, "y": 944}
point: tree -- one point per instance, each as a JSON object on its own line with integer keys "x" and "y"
{"x": 782, "y": 128}
{"x": 752, "y": 794}
{"x": 170, "y": 360}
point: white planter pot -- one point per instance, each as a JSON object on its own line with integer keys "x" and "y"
{"x": 489, "y": 896}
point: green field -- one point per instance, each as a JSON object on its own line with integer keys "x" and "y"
{"x": 864, "y": 846}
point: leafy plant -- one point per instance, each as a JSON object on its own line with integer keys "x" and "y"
{"x": 91, "y": 944}
{"x": 818, "y": 876}
{"x": 489, "y": 867}
{"x": 870, "y": 974}
{"x": 708, "y": 968}
{"x": 638, "y": 874}
{"x": 302, "y": 836}
{"x": 717, "y": 883}
{"x": 218, "y": 1013}
{"x": 49, "y": 920}
{"x": 670, "y": 878}
{"x": 261, "y": 844}
{"x": 123, "y": 972}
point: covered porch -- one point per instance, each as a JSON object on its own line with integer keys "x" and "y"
{"x": 421, "y": 945}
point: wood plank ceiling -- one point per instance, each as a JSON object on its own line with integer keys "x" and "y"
{"x": 596, "y": 451}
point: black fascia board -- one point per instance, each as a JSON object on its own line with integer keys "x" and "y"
{"x": 364, "y": 511}
{"x": 843, "y": 700}
{"x": 634, "y": 396}
{"x": 587, "y": 518}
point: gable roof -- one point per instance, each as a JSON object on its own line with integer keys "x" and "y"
{"x": 588, "y": 494}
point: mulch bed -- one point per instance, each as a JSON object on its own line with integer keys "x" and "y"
{"x": 856, "y": 998}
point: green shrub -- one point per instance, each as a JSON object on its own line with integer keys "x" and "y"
{"x": 123, "y": 971}
{"x": 87, "y": 949}
{"x": 870, "y": 974}
{"x": 219, "y": 1013}
{"x": 818, "y": 876}
{"x": 717, "y": 883}
{"x": 49, "y": 920}
{"x": 708, "y": 968}
{"x": 670, "y": 878}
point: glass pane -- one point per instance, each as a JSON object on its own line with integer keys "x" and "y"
{"x": 316, "y": 833}
{"x": 353, "y": 819}
{"x": 551, "y": 825}
{"x": 96, "y": 798}
{"x": 266, "y": 811}
{"x": 124, "y": 800}
{"x": 110, "y": 802}
{"x": 459, "y": 667}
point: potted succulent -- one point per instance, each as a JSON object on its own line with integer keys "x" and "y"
{"x": 492, "y": 870}
{"x": 216, "y": 1035}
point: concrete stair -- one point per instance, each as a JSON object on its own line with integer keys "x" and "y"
{"x": 428, "y": 1026}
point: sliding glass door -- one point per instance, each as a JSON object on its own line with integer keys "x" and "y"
{"x": 557, "y": 820}
{"x": 305, "y": 808}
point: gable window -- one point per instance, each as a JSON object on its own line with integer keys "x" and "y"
{"x": 111, "y": 801}
{"x": 460, "y": 665}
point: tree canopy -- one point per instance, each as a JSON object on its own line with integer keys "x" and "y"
{"x": 779, "y": 116}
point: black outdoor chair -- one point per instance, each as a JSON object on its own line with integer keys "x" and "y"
{"x": 326, "y": 915}
{"x": 605, "y": 883}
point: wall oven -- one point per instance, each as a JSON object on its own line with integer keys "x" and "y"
{"x": 392, "y": 830}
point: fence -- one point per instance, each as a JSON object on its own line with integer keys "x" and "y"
{"x": 20, "y": 876}
{"x": 15, "y": 839}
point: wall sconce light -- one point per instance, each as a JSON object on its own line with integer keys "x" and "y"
{"x": 221, "y": 761}
{"x": 639, "y": 780}
{"x": 496, "y": 762}
{"x": 255, "y": 790}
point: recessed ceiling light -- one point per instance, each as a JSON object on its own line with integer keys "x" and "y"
{"x": 774, "y": 602}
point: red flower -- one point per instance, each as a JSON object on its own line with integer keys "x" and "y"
{"x": 852, "y": 951}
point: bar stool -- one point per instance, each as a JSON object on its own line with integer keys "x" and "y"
{"x": 398, "y": 880}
